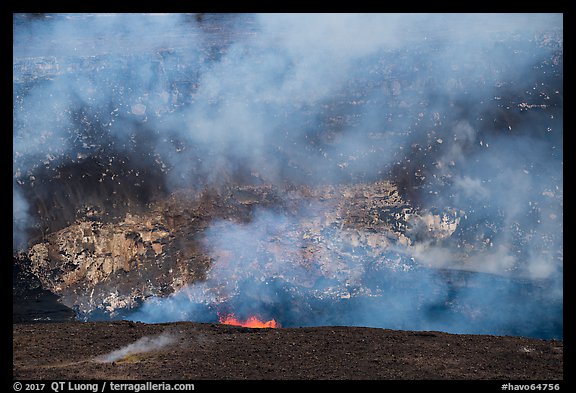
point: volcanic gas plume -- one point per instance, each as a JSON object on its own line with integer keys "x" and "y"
{"x": 389, "y": 170}
{"x": 142, "y": 345}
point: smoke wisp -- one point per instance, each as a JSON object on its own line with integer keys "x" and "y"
{"x": 142, "y": 345}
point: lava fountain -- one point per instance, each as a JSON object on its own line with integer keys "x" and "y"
{"x": 251, "y": 322}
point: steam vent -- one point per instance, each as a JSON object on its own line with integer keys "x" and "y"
{"x": 307, "y": 174}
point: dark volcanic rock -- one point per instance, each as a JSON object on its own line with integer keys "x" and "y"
{"x": 31, "y": 303}
{"x": 207, "y": 351}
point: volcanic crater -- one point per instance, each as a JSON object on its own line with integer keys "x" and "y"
{"x": 395, "y": 213}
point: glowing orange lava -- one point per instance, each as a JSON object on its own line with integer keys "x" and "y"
{"x": 251, "y": 322}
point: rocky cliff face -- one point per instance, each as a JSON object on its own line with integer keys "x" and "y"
{"x": 108, "y": 268}
{"x": 92, "y": 264}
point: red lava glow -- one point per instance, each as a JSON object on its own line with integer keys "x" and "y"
{"x": 251, "y": 322}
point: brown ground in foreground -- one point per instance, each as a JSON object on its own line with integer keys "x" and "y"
{"x": 208, "y": 351}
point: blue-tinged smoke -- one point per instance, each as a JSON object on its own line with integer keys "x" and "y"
{"x": 462, "y": 111}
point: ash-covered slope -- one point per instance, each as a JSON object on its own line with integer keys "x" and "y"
{"x": 192, "y": 351}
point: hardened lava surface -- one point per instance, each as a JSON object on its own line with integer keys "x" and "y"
{"x": 73, "y": 350}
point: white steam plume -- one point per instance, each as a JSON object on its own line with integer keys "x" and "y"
{"x": 142, "y": 345}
